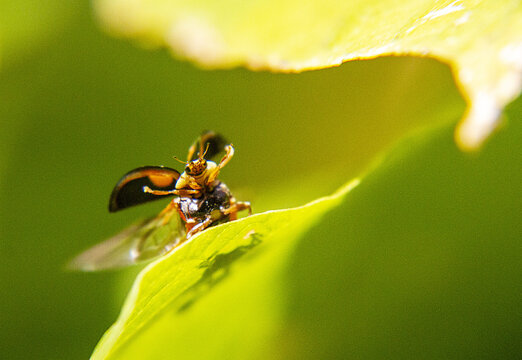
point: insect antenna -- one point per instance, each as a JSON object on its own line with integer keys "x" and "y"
{"x": 203, "y": 156}
{"x": 181, "y": 161}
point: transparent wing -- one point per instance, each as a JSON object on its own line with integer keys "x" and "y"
{"x": 140, "y": 242}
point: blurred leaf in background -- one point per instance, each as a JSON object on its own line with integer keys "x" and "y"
{"x": 79, "y": 109}
{"x": 26, "y": 24}
{"x": 481, "y": 40}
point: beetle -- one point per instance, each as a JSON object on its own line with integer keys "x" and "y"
{"x": 200, "y": 201}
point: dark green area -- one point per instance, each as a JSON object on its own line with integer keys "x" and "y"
{"x": 80, "y": 109}
{"x": 430, "y": 270}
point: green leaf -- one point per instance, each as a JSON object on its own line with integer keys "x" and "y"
{"x": 480, "y": 40}
{"x": 173, "y": 284}
{"x": 412, "y": 261}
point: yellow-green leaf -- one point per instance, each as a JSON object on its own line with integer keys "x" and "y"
{"x": 481, "y": 40}
{"x": 412, "y": 260}
{"x": 171, "y": 285}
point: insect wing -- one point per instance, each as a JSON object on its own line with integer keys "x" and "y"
{"x": 216, "y": 144}
{"x": 139, "y": 242}
{"x": 129, "y": 190}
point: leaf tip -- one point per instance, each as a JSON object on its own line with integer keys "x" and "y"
{"x": 481, "y": 119}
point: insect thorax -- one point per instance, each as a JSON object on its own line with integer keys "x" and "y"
{"x": 211, "y": 201}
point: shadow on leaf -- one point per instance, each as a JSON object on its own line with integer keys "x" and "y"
{"x": 217, "y": 269}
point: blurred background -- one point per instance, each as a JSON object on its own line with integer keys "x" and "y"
{"x": 78, "y": 109}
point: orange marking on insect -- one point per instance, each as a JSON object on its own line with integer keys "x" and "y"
{"x": 161, "y": 180}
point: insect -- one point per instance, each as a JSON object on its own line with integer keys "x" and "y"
{"x": 200, "y": 200}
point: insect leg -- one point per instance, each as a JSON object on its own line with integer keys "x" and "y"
{"x": 199, "y": 227}
{"x": 215, "y": 172}
{"x": 226, "y": 158}
{"x": 179, "y": 192}
{"x": 148, "y": 190}
{"x": 186, "y": 192}
{"x": 237, "y": 206}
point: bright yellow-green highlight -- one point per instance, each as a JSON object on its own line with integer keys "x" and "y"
{"x": 481, "y": 40}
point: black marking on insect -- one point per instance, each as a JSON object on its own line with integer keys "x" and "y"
{"x": 129, "y": 190}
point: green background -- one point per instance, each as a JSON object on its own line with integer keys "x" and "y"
{"x": 78, "y": 109}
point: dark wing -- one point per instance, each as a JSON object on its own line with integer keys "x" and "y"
{"x": 140, "y": 242}
{"x": 129, "y": 190}
{"x": 216, "y": 144}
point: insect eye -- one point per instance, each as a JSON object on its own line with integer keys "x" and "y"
{"x": 187, "y": 170}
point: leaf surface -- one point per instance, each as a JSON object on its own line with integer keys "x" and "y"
{"x": 173, "y": 284}
{"x": 421, "y": 251}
